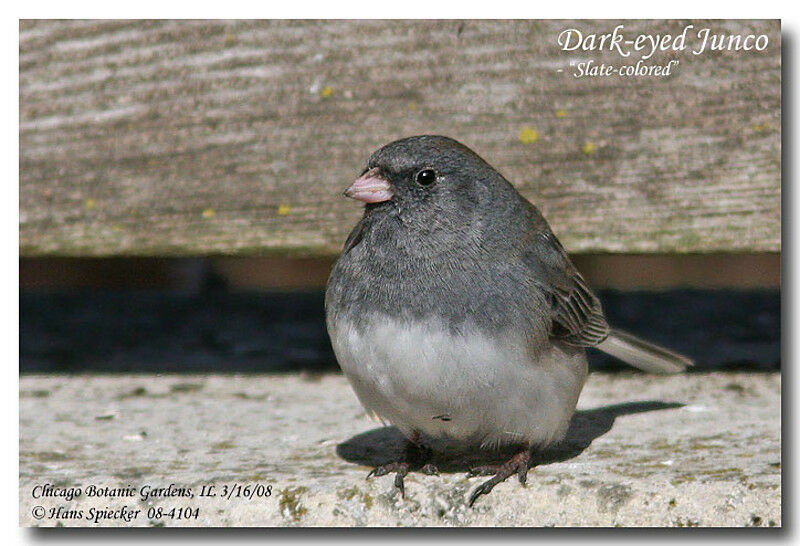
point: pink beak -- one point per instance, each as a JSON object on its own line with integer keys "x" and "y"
{"x": 370, "y": 187}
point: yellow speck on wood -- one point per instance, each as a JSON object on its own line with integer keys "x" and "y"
{"x": 760, "y": 127}
{"x": 90, "y": 204}
{"x": 412, "y": 106}
{"x": 283, "y": 210}
{"x": 116, "y": 227}
{"x": 209, "y": 213}
{"x": 588, "y": 148}
{"x": 229, "y": 39}
{"x": 528, "y": 135}
{"x": 326, "y": 92}
{"x": 561, "y": 113}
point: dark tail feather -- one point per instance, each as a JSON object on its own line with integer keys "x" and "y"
{"x": 642, "y": 354}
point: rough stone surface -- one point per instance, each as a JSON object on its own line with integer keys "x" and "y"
{"x": 697, "y": 450}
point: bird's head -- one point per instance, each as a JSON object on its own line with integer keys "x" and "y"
{"x": 422, "y": 174}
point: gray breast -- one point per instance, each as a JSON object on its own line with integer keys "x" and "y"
{"x": 464, "y": 281}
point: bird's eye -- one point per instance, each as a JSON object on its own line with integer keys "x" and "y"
{"x": 426, "y": 177}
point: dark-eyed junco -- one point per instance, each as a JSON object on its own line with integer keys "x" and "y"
{"x": 455, "y": 312}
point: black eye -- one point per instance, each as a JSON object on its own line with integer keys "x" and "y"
{"x": 426, "y": 177}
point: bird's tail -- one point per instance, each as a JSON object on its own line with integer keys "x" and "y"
{"x": 642, "y": 354}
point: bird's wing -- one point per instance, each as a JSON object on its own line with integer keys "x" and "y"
{"x": 576, "y": 313}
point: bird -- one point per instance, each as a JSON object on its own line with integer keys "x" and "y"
{"x": 456, "y": 314}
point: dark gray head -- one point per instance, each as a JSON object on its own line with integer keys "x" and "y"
{"x": 442, "y": 235}
{"x": 423, "y": 177}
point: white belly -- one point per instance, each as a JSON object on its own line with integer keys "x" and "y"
{"x": 467, "y": 387}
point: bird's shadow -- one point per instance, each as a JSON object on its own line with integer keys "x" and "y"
{"x": 386, "y": 444}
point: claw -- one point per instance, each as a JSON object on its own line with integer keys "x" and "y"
{"x": 415, "y": 455}
{"x": 518, "y": 464}
{"x": 400, "y": 484}
{"x": 378, "y": 471}
{"x": 382, "y": 470}
{"x": 483, "y": 489}
{"x": 400, "y": 469}
{"x": 522, "y": 474}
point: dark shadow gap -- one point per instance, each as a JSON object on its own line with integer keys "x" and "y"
{"x": 216, "y": 331}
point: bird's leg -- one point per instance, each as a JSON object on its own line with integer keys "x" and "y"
{"x": 518, "y": 464}
{"x": 414, "y": 457}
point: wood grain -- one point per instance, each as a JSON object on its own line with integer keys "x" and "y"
{"x": 237, "y": 137}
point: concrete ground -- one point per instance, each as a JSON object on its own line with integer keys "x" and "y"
{"x": 294, "y": 450}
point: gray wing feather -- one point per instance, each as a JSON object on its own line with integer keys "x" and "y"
{"x": 576, "y": 313}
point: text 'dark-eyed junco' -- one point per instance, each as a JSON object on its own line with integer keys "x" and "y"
{"x": 456, "y": 314}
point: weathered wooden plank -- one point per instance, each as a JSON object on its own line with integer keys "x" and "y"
{"x": 198, "y": 137}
